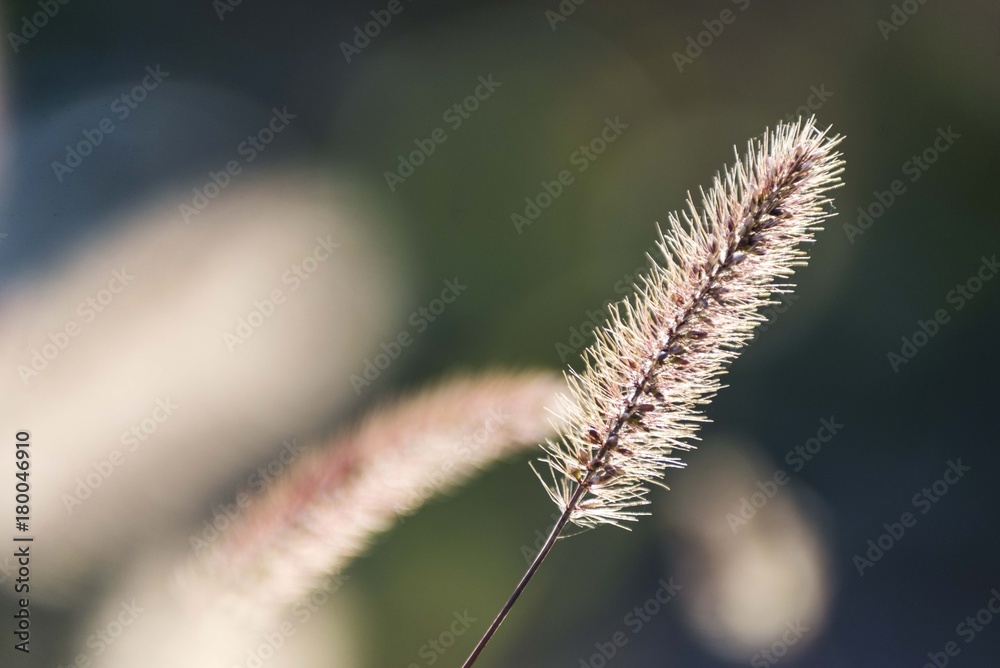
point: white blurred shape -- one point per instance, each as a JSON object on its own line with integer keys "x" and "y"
{"x": 158, "y": 631}
{"x": 160, "y": 342}
{"x": 746, "y": 581}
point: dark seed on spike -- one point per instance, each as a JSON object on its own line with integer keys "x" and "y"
{"x": 662, "y": 355}
{"x": 593, "y": 436}
{"x": 737, "y": 257}
{"x": 612, "y": 441}
{"x": 645, "y": 408}
{"x": 636, "y": 422}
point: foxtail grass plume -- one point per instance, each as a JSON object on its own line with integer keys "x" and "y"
{"x": 657, "y": 362}
{"x": 325, "y": 511}
{"x": 655, "y": 365}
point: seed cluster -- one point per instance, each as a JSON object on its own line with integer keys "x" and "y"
{"x": 658, "y": 360}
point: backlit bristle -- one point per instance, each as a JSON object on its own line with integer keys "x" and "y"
{"x": 646, "y": 379}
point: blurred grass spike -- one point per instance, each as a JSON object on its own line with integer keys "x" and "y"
{"x": 335, "y": 499}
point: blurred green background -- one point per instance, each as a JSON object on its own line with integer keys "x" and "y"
{"x": 888, "y": 91}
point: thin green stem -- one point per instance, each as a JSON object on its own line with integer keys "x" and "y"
{"x": 553, "y": 536}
